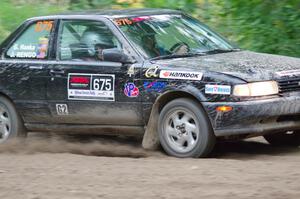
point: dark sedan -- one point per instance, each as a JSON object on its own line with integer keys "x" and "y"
{"x": 157, "y": 73}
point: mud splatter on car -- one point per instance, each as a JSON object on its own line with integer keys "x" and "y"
{"x": 155, "y": 73}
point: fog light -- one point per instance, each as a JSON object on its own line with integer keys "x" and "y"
{"x": 224, "y": 108}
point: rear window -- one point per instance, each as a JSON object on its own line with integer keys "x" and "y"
{"x": 33, "y": 43}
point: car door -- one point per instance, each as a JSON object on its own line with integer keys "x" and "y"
{"x": 83, "y": 89}
{"x": 24, "y": 69}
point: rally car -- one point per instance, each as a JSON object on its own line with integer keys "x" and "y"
{"x": 157, "y": 73}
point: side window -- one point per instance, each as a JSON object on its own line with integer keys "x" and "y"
{"x": 83, "y": 40}
{"x": 33, "y": 42}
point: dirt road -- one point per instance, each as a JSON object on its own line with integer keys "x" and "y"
{"x": 56, "y": 168}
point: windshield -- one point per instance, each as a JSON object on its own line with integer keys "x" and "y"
{"x": 164, "y": 35}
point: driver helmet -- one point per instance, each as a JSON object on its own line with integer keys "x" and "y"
{"x": 93, "y": 38}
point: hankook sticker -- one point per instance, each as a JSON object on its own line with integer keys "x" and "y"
{"x": 99, "y": 87}
{"x": 168, "y": 74}
{"x": 218, "y": 89}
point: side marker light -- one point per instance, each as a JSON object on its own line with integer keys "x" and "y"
{"x": 224, "y": 108}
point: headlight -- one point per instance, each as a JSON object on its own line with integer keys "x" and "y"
{"x": 256, "y": 89}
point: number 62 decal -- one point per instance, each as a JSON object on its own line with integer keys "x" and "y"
{"x": 62, "y": 109}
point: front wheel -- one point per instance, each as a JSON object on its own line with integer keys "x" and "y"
{"x": 184, "y": 129}
{"x": 11, "y": 124}
{"x": 287, "y": 138}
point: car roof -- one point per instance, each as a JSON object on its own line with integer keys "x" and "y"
{"x": 110, "y": 13}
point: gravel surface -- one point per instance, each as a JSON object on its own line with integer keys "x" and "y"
{"x": 60, "y": 167}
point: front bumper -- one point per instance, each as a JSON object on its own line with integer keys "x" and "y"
{"x": 255, "y": 117}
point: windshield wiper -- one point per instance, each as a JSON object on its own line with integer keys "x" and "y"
{"x": 170, "y": 56}
{"x": 214, "y": 51}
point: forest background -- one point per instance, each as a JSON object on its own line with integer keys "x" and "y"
{"x": 270, "y": 26}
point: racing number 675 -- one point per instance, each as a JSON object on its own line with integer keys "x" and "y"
{"x": 102, "y": 84}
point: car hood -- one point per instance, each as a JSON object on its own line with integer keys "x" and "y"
{"x": 247, "y": 65}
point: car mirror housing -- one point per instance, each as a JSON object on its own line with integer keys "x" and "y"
{"x": 115, "y": 55}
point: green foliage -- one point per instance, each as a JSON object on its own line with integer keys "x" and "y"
{"x": 13, "y": 13}
{"x": 90, "y": 4}
{"x": 270, "y": 26}
{"x": 187, "y": 5}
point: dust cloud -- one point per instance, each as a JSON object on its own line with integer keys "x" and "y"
{"x": 78, "y": 144}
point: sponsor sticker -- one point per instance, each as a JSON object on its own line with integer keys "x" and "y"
{"x": 42, "y": 47}
{"x": 80, "y": 81}
{"x": 130, "y": 71}
{"x": 22, "y": 54}
{"x": 288, "y": 73}
{"x": 168, "y": 74}
{"x": 123, "y": 22}
{"x": 99, "y": 87}
{"x": 127, "y": 21}
{"x": 23, "y": 51}
{"x": 156, "y": 86}
{"x": 152, "y": 72}
{"x": 43, "y": 26}
{"x": 218, "y": 89}
{"x": 130, "y": 90}
{"x": 62, "y": 109}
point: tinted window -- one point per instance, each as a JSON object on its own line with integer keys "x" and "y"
{"x": 85, "y": 40}
{"x": 33, "y": 42}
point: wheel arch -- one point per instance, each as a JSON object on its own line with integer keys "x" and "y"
{"x": 7, "y": 96}
{"x": 16, "y": 123}
{"x": 150, "y": 139}
{"x": 169, "y": 96}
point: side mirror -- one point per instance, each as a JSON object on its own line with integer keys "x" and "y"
{"x": 115, "y": 55}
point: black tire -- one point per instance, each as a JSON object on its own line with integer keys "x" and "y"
{"x": 202, "y": 142}
{"x": 11, "y": 124}
{"x": 288, "y": 138}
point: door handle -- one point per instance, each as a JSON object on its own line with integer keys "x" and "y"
{"x": 57, "y": 72}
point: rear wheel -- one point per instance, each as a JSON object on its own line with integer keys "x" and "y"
{"x": 288, "y": 138}
{"x": 11, "y": 125}
{"x": 184, "y": 130}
